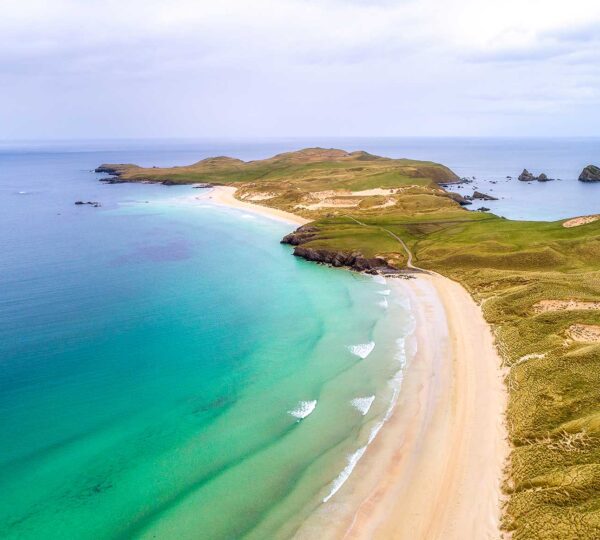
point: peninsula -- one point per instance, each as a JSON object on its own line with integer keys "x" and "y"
{"x": 537, "y": 286}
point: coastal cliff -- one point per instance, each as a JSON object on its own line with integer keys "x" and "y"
{"x": 354, "y": 260}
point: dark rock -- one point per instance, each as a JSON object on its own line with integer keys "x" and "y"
{"x": 112, "y": 180}
{"x": 202, "y": 186}
{"x": 354, "y": 260}
{"x": 591, "y": 173}
{"x": 301, "y": 235}
{"x": 107, "y": 169}
{"x": 483, "y": 209}
{"x": 95, "y": 204}
{"x": 483, "y": 196}
{"x": 526, "y": 176}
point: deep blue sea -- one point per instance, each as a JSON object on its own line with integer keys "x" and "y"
{"x": 169, "y": 370}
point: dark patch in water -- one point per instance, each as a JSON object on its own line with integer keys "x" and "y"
{"x": 174, "y": 250}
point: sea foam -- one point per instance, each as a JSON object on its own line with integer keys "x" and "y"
{"x": 362, "y": 350}
{"x": 303, "y": 409}
{"x": 363, "y": 404}
{"x": 379, "y": 279}
{"x": 384, "y": 292}
{"x": 383, "y": 303}
{"x": 346, "y": 472}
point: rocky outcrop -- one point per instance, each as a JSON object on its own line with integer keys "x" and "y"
{"x": 108, "y": 169}
{"x": 301, "y": 235}
{"x": 354, "y": 260}
{"x": 590, "y": 174}
{"x": 526, "y": 176}
{"x": 481, "y": 196}
{"x": 95, "y": 204}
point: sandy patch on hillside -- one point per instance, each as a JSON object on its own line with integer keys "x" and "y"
{"x": 375, "y": 192}
{"x": 259, "y": 197}
{"x": 564, "y": 305}
{"x": 589, "y": 333}
{"x": 583, "y": 220}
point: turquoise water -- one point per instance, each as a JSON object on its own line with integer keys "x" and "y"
{"x": 156, "y": 358}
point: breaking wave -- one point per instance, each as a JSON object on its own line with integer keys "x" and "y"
{"x": 346, "y": 472}
{"x": 363, "y": 404}
{"x": 384, "y": 292}
{"x": 383, "y": 303}
{"x": 362, "y": 350}
{"x": 379, "y": 279}
{"x": 303, "y": 409}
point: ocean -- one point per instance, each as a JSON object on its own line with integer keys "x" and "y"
{"x": 169, "y": 370}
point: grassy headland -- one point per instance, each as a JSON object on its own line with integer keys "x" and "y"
{"x": 362, "y": 204}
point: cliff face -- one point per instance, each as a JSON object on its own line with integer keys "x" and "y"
{"x": 354, "y": 260}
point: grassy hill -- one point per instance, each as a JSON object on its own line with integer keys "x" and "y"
{"x": 311, "y": 168}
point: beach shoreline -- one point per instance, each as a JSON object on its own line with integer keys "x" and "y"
{"x": 442, "y": 452}
{"x": 225, "y": 195}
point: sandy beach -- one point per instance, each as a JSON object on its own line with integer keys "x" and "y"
{"x": 435, "y": 469}
{"x": 225, "y": 195}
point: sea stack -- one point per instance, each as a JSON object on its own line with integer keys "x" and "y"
{"x": 590, "y": 174}
{"x": 526, "y": 176}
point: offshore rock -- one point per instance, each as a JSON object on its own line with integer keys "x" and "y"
{"x": 483, "y": 196}
{"x": 590, "y": 174}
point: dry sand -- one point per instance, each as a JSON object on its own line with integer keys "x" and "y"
{"x": 578, "y": 221}
{"x": 435, "y": 469}
{"x": 225, "y": 195}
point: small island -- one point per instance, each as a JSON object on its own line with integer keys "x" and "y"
{"x": 591, "y": 173}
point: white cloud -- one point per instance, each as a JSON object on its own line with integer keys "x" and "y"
{"x": 295, "y": 67}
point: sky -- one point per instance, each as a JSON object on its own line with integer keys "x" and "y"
{"x": 74, "y": 69}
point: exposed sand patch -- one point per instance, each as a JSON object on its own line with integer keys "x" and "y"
{"x": 328, "y": 203}
{"x": 375, "y": 192}
{"x": 259, "y": 197}
{"x": 532, "y": 356}
{"x": 386, "y": 204}
{"x": 564, "y": 305}
{"x": 589, "y": 333}
{"x": 583, "y": 220}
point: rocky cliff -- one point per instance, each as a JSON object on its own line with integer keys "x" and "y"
{"x": 354, "y": 260}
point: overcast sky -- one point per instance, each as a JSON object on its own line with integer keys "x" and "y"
{"x": 268, "y": 68}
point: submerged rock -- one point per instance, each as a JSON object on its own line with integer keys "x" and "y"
{"x": 591, "y": 173}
